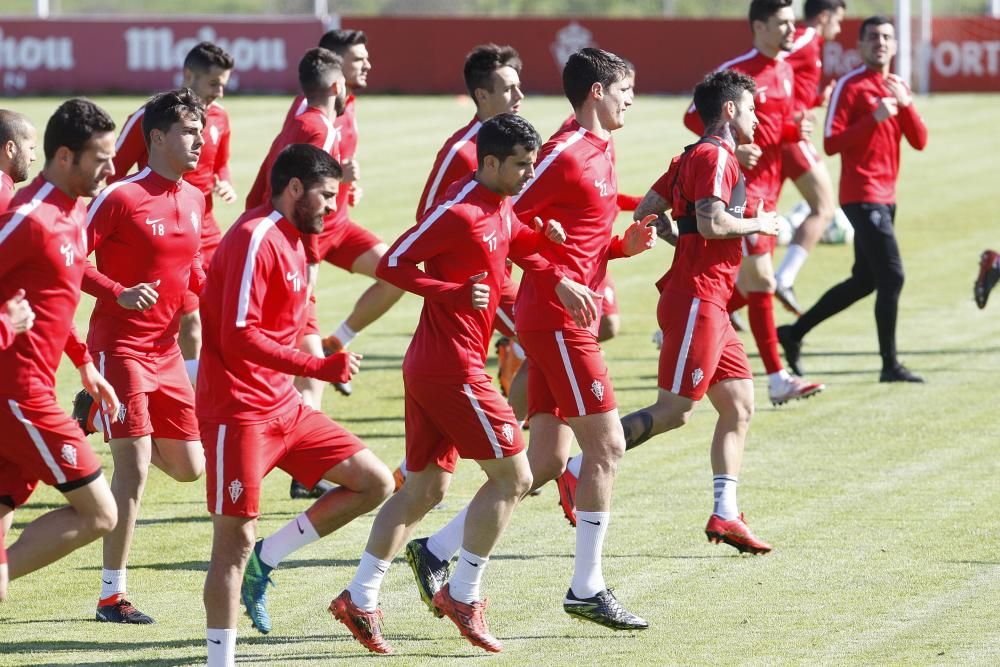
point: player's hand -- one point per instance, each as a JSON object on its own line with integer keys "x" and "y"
{"x": 804, "y": 121}
{"x": 666, "y": 228}
{"x": 140, "y": 297}
{"x": 768, "y": 220}
{"x": 899, "y": 90}
{"x": 479, "y": 294}
{"x": 640, "y": 236}
{"x": 352, "y": 171}
{"x": 224, "y": 190}
{"x": 340, "y": 367}
{"x": 99, "y": 388}
{"x": 887, "y": 108}
{"x": 22, "y": 317}
{"x": 824, "y": 98}
{"x": 354, "y": 195}
{"x": 553, "y": 230}
{"x": 578, "y": 300}
{"x": 748, "y": 155}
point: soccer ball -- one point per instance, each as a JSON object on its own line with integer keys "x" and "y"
{"x": 839, "y": 231}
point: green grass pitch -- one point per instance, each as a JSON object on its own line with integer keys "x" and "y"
{"x": 880, "y": 500}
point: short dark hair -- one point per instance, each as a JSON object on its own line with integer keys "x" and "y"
{"x": 587, "y": 67}
{"x": 317, "y": 70}
{"x": 712, "y": 93}
{"x": 814, "y": 8}
{"x": 13, "y": 126}
{"x": 875, "y": 21}
{"x": 205, "y": 55}
{"x": 502, "y": 133}
{"x": 762, "y": 10}
{"x": 485, "y": 59}
{"x": 339, "y": 41}
{"x": 73, "y": 124}
{"x": 164, "y": 109}
{"x": 305, "y": 162}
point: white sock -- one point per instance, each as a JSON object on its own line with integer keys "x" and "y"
{"x": 292, "y": 536}
{"x": 777, "y": 378}
{"x": 725, "y": 497}
{"x": 445, "y": 543}
{"x": 402, "y": 468}
{"x": 465, "y": 581}
{"x": 792, "y": 263}
{"x": 345, "y": 334}
{"x": 221, "y": 647}
{"x": 367, "y": 581}
{"x": 113, "y": 582}
{"x": 588, "y": 579}
{"x": 574, "y": 465}
{"x": 191, "y": 366}
{"x": 518, "y": 351}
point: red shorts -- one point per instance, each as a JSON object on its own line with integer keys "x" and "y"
{"x": 41, "y": 443}
{"x": 445, "y": 421}
{"x": 211, "y": 235}
{"x": 607, "y": 288}
{"x": 700, "y": 347}
{"x": 345, "y": 243}
{"x": 156, "y": 395}
{"x": 758, "y": 244}
{"x": 303, "y": 442}
{"x": 567, "y": 376}
{"x": 504, "y": 322}
{"x": 797, "y": 158}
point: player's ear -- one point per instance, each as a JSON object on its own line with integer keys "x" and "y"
{"x": 295, "y": 187}
{"x": 64, "y": 156}
{"x": 9, "y": 149}
{"x": 597, "y": 90}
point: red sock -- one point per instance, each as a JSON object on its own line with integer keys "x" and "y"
{"x": 764, "y": 332}
{"x": 736, "y": 301}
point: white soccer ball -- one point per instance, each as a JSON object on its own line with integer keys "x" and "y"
{"x": 839, "y": 231}
{"x": 785, "y": 230}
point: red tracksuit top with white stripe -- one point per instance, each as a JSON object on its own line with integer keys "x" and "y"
{"x": 457, "y": 158}
{"x": 869, "y": 150}
{"x": 142, "y": 229}
{"x": 6, "y": 191}
{"x": 42, "y": 251}
{"x": 130, "y": 150}
{"x": 806, "y": 59}
{"x": 252, "y": 309}
{"x": 313, "y": 127}
{"x": 775, "y": 110}
{"x": 471, "y": 230}
{"x": 574, "y": 184}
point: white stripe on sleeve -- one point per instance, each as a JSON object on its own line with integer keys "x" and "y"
{"x": 24, "y": 210}
{"x": 96, "y": 204}
{"x": 246, "y": 282}
{"x": 133, "y": 119}
{"x": 452, "y": 152}
{"x": 428, "y": 221}
{"x": 835, "y": 98}
{"x": 549, "y": 159}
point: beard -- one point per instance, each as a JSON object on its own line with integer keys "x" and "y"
{"x": 305, "y": 219}
{"x": 19, "y": 168}
{"x": 340, "y": 103}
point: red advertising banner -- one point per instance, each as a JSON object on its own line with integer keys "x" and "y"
{"x": 425, "y": 55}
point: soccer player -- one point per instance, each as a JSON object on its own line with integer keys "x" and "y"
{"x": 989, "y": 274}
{"x": 452, "y": 409}
{"x": 145, "y": 232}
{"x": 773, "y": 24}
{"x": 43, "y": 253}
{"x": 252, "y": 418}
{"x": 569, "y": 386}
{"x": 17, "y": 152}
{"x": 870, "y": 111}
{"x": 799, "y": 161}
{"x": 701, "y": 353}
{"x": 207, "y": 68}
{"x": 344, "y": 243}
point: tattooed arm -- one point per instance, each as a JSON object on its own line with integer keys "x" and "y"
{"x": 714, "y": 222}
{"x": 654, "y": 204}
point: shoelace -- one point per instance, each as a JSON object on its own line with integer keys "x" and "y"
{"x": 613, "y": 605}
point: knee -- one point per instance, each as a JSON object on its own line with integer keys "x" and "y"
{"x": 605, "y": 457}
{"x": 103, "y": 519}
{"x": 520, "y": 483}
{"x": 609, "y": 327}
{"x": 381, "y": 485}
{"x": 190, "y": 473}
{"x": 892, "y": 281}
{"x": 545, "y": 467}
{"x": 739, "y": 414}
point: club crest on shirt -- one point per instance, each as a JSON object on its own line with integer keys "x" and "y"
{"x": 508, "y": 433}
{"x": 598, "y": 389}
{"x": 68, "y": 454}
{"x": 195, "y": 221}
{"x": 697, "y": 375}
{"x": 213, "y": 132}
{"x": 235, "y": 490}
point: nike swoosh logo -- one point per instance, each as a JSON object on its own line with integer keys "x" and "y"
{"x": 487, "y": 237}
{"x": 470, "y": 562}
{"x": 107, "y": 582}
{"x": 301, "y": 532}
{"x": 215, "y": 641}
{"x": 153, "y": 222}
{"x": 592, "y": 523}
